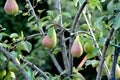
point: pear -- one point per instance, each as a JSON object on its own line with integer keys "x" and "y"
{"x": 89, "y": 47}
{"x": 11, "y": 7}
{"x": 76, "y": 49}
{"x": 50, "y": 40}
{"x": 117, "y": 71}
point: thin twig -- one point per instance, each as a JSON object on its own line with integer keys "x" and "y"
{"x": 26, "y": 38}
{"x": 78, "y": 32}
{"x": 104, "y": 54}
{"x": 34, "y": 67}
{"x": 55, "y": 62}
{"x": 35, "y": 16}
{"x": 63, "y": 46}
{"x": 74, "y": 25}
{"x": 12, "y": 59}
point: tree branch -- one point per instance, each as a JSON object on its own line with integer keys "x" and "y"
{"x": 34, "y": 67}
{"x": 35, "y": 16}
{"x": 43, "y": 35}
{"x": 96, "y": 45}
{"x": 63, "y": 46}
{"x": 55, "y": 62}
{"x": 26, "y": 38}
{"x": 104, "y": 54}
{"x": 7, "y": 54}
{"x": 74, "y": 25}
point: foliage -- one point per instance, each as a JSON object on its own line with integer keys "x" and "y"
{"x": 19, "y": 35}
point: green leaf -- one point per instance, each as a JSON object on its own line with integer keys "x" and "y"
{"x": 30, "y": 18}
{"x": 66, "y": 24}
{"x": 98, "y": 21}
{"x": 95, "y": 50}
{"x": 116, "y": 22}
{"x": 1, "y": 36}
{"x": 78, "y": 77}
{"x": 38, "y": 0}
{"x": 75, "y": 2}
{"x": 95, "y": 63}
{"x": 24, "y": 45}
{"x": 110, "y": 50}
{"x": 40, "y": 11}
{"x": 14, "y": 35}
{"x": 41, "y": 24}
{"x": 56, "y": 50}
{"x": 50, "y": 12}
{"x": 95, "y": 4}
{"x": 50, "y": 32}
{"x": 81, "y": 2}
{"x": 67, "y": 14}
{"x": 110, "y": 7}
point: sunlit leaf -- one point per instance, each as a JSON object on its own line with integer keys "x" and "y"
{"x": 1, "y": 36}
{"x": 75, "y": 2}
{"x": 67, "y": 14}
{"x": 14, "y": 35}
{"x": 50, "y": 12}
{"x": 24, "y": 45}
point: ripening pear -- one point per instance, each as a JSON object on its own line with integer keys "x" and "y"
{"x": 117, "y": 71}
{"x": 89, "y": 47}
{"x": 76, "y": 49}
{"x": 11, "y": 7}
{"x": 50, "y": 40}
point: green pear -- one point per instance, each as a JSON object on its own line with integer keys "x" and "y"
{"x": 89, "y": 47}
{"x": 50, "y": 40}
{"x": 76, "y": 49}
{"x": 11, "y": 7}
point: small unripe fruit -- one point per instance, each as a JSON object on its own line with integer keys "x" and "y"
{"x": 11, "y": 7}
{"x": 89, "y": 47}
{"x": 76, "y": 49}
